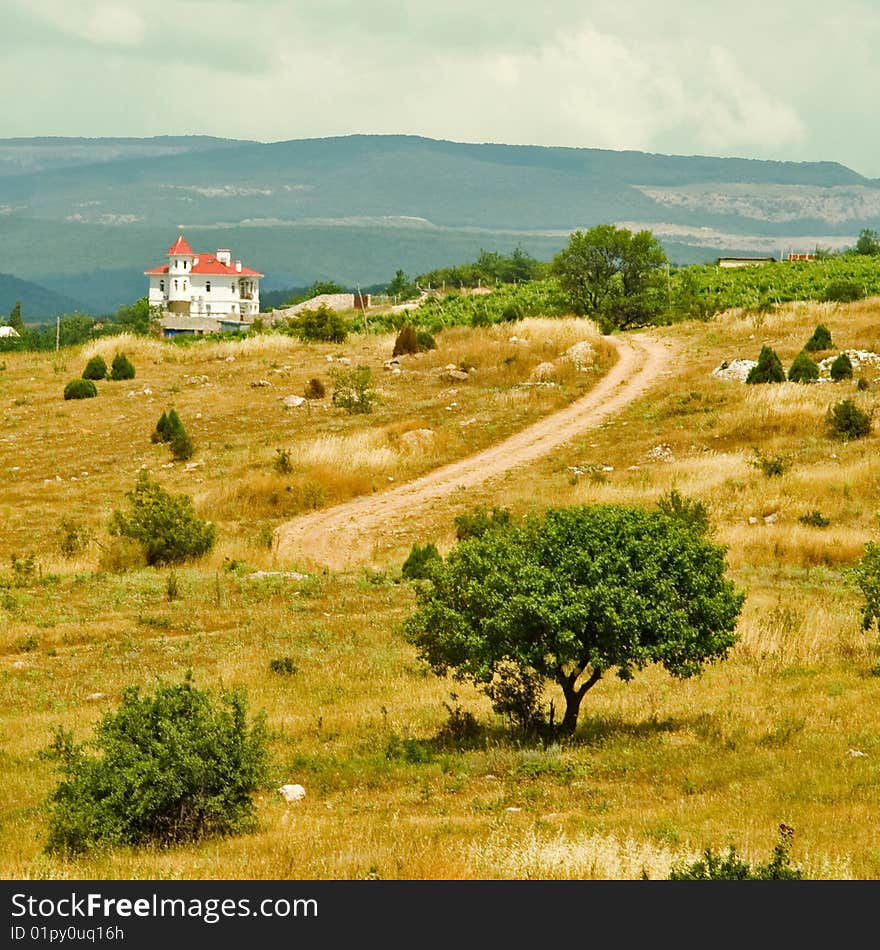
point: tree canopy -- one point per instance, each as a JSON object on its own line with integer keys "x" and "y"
{"x": 573, "y": 594}
{"x": 613, "y": 275}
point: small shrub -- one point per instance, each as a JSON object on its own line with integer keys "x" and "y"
{"x": 803, "y": 369}
{"x": 315, "y": 389}
{"x": 866, "y": 576}
{"x": 351, "y": 390}
{"x": 778, "y": 465}
{"x": 847, "y": 421}
{"x": 461, "y": 726}
{"x": 814, "y": 519}
{"x": 841, "y": 368}
{"x": 166, "y": 526}
{"x": 73, "y": 537}
{"x": 96, "y": 368}
{"x": 407, "y": 342}
{"x": 120, "y": 555}
{"x": 121, "y": 367}
{"x": 689, "y": 512}
{"x": 768, "y": 369}
{"x": 80, "y": 389}
{"x": 476, "y": 523}
{"x": 167, "y": 427}
{"x": 426, "y": 341}
{"x": 282, "y": 463}
{"x": 862, "y": 385}
{"x": 283, "y": 665}
{"x": 172, "y": 586}
{"x": 417, "y": 566}
{"x": 182, "y": 446}
{"x": 159, "y": 433}
{"x": 24, "y": 570}
{"x": 731, "y": 867}
{"x": 173, "y": 766}
{"x": 820, "y": 340}
{"x": 843, "y": 290}
{"x": 323, "y": 325}
{"x": 515, "y": 692}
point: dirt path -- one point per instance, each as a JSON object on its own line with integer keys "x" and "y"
{"x": 345, "y": 536}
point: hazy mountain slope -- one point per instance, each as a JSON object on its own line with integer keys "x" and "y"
{"x": 79, "y": 215}
{"x": 37, "y": 302}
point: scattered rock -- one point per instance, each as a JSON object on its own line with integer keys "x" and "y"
{"x": 288, "y": 575}
{"x": 291, "y": 402}
{"x": 260, "y": 384}
{"x": 734, "y": 369}
{"x": 856, "y": 754}
{"x": 94, "y": 697}
{"x": 292, "y": 793}
{"x": 661, "y": 453}
{"x": 543, "y": 372}
{"x": 753, "y": 520}
{"x": 454, "y": 376}
{"x": 581, "y": 354}
{"x": 417, "y": 440}
{"x": 771, "y": 518}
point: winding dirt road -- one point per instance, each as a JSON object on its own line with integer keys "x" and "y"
{"x": 345, "y": 536}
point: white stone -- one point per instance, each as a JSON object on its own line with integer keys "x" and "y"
{"x": 293, "y": 401}
{"x": 292, "y": 793}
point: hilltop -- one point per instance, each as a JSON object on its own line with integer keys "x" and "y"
{"x": 84, "y": 218}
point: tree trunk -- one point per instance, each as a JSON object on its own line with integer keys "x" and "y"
{"x": 573, "y": 696}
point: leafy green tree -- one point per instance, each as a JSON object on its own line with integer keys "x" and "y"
{"x": 401, "y": 286}
{"x": 866, "y": 576}
{"x": 802, "y": 369}
{"x": 166, "y": 526}
{"x": 868, "y": 242}
{"x": 96, "y": 368}
{"x": 321, "y": 325}
{"x": 138, "y": 318}
{"x": 573, "y": 594}
{"x": 768, "y": 369}
{"x": 847, "y": 421}
{"x": 352, "y": 390}
{"x": 173, "y": 766}
{"x": 613, "y": 275}
{"x": 121, "y": 367}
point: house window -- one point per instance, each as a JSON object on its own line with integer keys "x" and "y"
{"x": 184, "y": 285}
{"x": 162, "y": 286}
{"x": 207, "y": 308}
{"x": 175, "y": 285}
{"x": 207, "y": 286}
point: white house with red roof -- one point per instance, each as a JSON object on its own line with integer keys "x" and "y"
{"x": 201, "y": 293}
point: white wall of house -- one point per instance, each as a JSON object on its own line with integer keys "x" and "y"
{"x": 208, "y": 295}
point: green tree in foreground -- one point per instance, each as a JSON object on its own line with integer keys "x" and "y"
{"x": 803, "y": 369}
{"x": 866, "y": 576}
{"x": 172, "y": 766}
{"x": 613, "y": 275}
{"x": 574, "y": 594}
{"x": 121, "y": 367}
{"x": 868, "y": 242}
{"x": 166, "y": 526}
{"x": 841, "y": 368}
{"x": 820, "y": 340}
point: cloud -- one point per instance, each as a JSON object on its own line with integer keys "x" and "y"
{"x": 105, "y": 23}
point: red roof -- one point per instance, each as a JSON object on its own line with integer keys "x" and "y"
{"x": 203, "y": 263}
{"x": 180, "y": 247}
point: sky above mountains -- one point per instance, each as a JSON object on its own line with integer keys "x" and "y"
{"x": 792, "y": 81}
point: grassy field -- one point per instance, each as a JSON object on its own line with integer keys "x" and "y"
{"x": 658, "y": 769}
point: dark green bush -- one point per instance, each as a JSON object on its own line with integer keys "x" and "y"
{"x": 96, "y": 368}
{"x": 841, "y": 368}
{"x": 315, "y": 389}
{"x": 862, "y": 384}
{"x": 426, "y": 341}
{"x": 768, "y": 368}
{"x": 731, "y": 867}
{"x": 182, "y": 446}
{"x": 777, "y": 465}
{"x": 847, "y": 421}
{"x": 168, "y": 767}
{"x": 814, "y": 519}
{"x": 417, "y": 566}
{"x": 476, "y": 523}
{"x": 820, "y": 340}
{"x": 80, "y": 389}
{"x": 282, "y": 463}
{"x": 121, "y": 367}
{"x": 323, "y": 325}
{"x": 803, "y": 369}
{"x": 843, "y": 291}
{"x": 407, "y": 341}
{"x": 166, "y": 526}
{"x": 283, "y": 665}
{"x": 73, "y": 537}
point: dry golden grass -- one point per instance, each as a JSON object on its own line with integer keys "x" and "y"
{"x": 659, "y": 768}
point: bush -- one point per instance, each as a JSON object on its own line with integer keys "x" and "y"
{"x": 820, "y": 340}
{"x": 282, "y": 463}
{"x": 768, "y": 369}
{"x": 426, "y": 341}
{"x": 80, "y": 389}
{"x": 182, "y": 446}
{"x": 172, "y": 766}
{"x": 847, "y": 421}
{"x": 814, "y": 519}
{"x": 323, "y": 325}
{"x": 407, "y": 342}
{"x": 73, "y": 537}
{"x": 803, "y": 369}
{"x": 283, "y": 665}
{"x": 841, "y": 368}
{"x": 777, "y": 465}
{"x": 351, "y": 390}
{"x": 862, "y": 384}
{"x": 689, "y": 512}
{"x": 121, "y": 367}
{"x": 167, "y": 427}
{"x": 731, "y": 867}
{"x": 843, "y": 291}
{"x": 417, "y": 566}
{"x": 476, "y": 523}
{"x": 96, "y": 368}
{"x": 166, "y": 526}
{"x": 315, "y": 389}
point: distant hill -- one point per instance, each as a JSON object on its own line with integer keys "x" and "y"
{"x": 37, "y": 303}
{"x": 86, "y": 217}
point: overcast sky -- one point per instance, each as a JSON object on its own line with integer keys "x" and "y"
{"x": 785, "y": 80}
